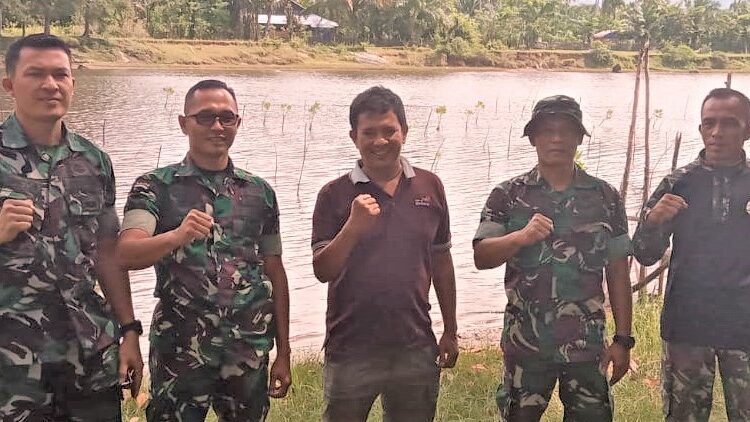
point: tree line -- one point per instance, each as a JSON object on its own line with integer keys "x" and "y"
{"x": 454, "y": 24}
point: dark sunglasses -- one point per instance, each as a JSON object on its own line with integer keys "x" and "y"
{"x": 208, "y": 118}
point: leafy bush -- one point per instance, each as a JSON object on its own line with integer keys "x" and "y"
{"x": 600, "y": 55}
{"x": 679, "y": 57}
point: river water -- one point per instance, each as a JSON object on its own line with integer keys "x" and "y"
{"x": 132, "y": 114}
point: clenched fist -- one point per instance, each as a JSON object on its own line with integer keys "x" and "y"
{"x": 195, "y": 225}
{"x": 537, "y": 229}
{"x": 365, "y": 211}
{"x": 16, "y": 216}
{"x": 666, "y": 209}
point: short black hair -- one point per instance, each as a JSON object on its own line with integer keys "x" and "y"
{"x": 380, "y": 100}
{"x": 36, "y": 41}
{"x": 208, "y": 84}
{"x": 726, "y": 93}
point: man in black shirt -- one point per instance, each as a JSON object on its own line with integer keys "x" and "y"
{"x": 705, "y": 207}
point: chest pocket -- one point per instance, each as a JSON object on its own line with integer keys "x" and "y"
{"x": 589, "y": 236}
{"x": 249, "y": 214}
{"x": 83, "y": 194}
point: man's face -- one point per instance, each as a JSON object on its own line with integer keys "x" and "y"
{"x": 556, "y": 139}
{"x": 378, "y": 138}
{"x": 42, "y": 84}
{"x": 724, "y": 128}
{"x": 202, "y": 123}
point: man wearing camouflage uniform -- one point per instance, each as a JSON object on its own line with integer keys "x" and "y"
{"x": 705, "y": 208}
{"x": 212, "y": 231}
{"x": 558, "y": 229}
{"x": 59, "y": 354}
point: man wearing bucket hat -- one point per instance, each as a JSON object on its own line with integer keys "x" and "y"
{"x": 558, "y": 230}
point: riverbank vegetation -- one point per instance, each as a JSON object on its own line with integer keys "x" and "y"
{"x": 690, "y": 35}
{"x": 467, "y": 391}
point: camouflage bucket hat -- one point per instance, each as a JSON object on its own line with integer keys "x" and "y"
{"x": 556, "y": 104}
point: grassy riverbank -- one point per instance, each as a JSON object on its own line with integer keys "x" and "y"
{"x": 273, "y": 53}
{"x": 467, "y": 391}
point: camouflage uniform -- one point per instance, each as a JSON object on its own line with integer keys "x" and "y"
{"x": 58, "y": 340}
{"x": 705, "y": 317}
{"x": 555, "y": 320}
{"x": 212, "y": 329}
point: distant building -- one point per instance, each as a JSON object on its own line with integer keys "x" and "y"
{"x": 321, "y": 29}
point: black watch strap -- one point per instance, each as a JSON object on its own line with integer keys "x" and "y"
{"x": 132, "y": 326}
{"x": 627, "y": 342}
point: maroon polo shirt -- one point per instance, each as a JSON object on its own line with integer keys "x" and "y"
{"x": 381, "y": 301}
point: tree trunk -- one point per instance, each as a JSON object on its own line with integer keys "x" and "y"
{"x": 87, "y": 21}
{"x": 235, "y": 13}
{"x": 269, "y": 10}
{"x": 1, "y": 22}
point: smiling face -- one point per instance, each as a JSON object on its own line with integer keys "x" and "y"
{"x": 379, "y": 138}
{"x": 214, "y": 141}
{"x": 556, "y": 138}
{"x": 724, "y": 128}
{"x": 42, "y": 84}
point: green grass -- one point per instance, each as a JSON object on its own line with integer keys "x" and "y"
{"x": 467, "y": 391}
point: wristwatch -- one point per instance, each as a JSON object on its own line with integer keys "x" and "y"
{"x": 132, "y": 326}
{"x": 627, "y": 342}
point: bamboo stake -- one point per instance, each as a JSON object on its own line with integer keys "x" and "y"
{"x": 728, "y": 83}
{"x": 646, "y": 141}
{"x": 631, "y": 135}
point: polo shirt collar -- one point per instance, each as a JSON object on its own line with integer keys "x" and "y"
{"x": 357, "y": 175}
{"x": 14, "y": 137}
{"x": 581, "y": 179}
{"x": 187, "y": 168}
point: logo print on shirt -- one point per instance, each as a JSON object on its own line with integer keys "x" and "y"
{"x": 747, "y": 207}
{"x": 423, "y": 201}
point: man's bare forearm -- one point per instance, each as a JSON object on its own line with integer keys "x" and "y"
{"x": 496, "y": 251}
{"x": 444, "y": 280}
{"x": 274, "y": 269}
{"x": 114, "y": 282}
{"x": 137, "y": 250}
{"x": 330, "y": 261}
{"x": 620, "y": 295}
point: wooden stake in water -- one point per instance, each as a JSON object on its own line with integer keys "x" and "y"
{"x": 158, "y": 157}
{"x": 728, "y": 83}
{"x": 427, "y": 125}
{"x": 104, "y": 129}
{"x": 631, "y": 133}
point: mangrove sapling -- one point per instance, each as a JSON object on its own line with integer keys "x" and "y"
{"x": 440, "y": 110}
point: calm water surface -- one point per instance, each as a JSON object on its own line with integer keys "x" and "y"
{"x": 133, "y": 116}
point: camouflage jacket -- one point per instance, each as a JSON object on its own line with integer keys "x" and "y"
{"x": 708, "y": 286}
{"x": 223, "y": 274}
{"x": 555, "y": 304}
{"x": 47, "y": 279}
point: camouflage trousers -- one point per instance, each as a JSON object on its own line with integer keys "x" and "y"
{"x": 527, "y": 389}
{"x": 688, "y": 374}
{"x": 193, "y": 367}
{"x": 74, "y": 390}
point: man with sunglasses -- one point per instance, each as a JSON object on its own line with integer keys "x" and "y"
{"x": 212, "y": 232}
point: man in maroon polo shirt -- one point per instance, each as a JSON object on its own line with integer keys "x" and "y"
{"x": 381, "y": 235}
